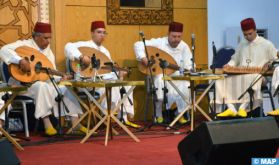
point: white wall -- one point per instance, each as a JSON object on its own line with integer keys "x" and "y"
{"x": 223, "y": 14}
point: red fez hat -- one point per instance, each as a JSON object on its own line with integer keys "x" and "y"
{"x": 97, "y": 24}
{"x": 176, "y": 27}
{"x": 248, "y": 24}
{"x": 42, "y": 27}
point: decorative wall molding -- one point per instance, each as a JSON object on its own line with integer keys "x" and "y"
{"x": 139, "y": 16}
{"x": 43, "y": 11}
{"x": 17, "y": 18}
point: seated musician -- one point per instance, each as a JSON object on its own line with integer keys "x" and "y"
{"x": 253, "y": 51}
{"x": 43, "y": 93}
{"x": 98, "y": 34}
{"x": 179, "y": 50}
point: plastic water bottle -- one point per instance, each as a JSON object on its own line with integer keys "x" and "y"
{"x": 77, "y": 75}
{"x": 181, "y": 67}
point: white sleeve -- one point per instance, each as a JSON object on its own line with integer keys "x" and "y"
{"x": 71, "y": 50}
{"x": 275, "y": 79}
{"x": 272, "y": 51}
{"x": 139, "y": 47}
{"x": 52, "y": 58}
{"x": 107, "y": 53}
{"x": 8, "y": 54}
{"x": 235, "y": 58}
{"x": 187, "y": 55}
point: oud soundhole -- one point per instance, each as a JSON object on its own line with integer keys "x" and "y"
{"x": 157, "y": 55}
{"x": 153, "y": 69}
{"x": 38, "y": 67}
{"x": 32, "y": 58}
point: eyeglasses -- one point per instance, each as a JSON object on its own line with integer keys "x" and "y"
{"x": 102, "y": 32}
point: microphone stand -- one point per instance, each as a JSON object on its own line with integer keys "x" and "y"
{"x": 213, "y": 69}
{"x": 152, "y": 89}
{"x": 95, "y": 66}
{"x": 213, "y": 66}
{"x": 250, "y": 91}
{"x": 58, "y": 99}
{"x": 193, "y": 54}
{"x": 164, "y": 64}
{"x": 276, "y": 91}
{"x": 122, "y": 91}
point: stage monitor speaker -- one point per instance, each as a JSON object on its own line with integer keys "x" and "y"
{"x": 230, "y": 142}
{"x": 7, "y": 155}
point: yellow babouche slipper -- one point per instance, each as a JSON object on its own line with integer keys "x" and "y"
{"x": 83, "y": 129}
{"x": 242, "y": 113}
{"x": 182, "y": 120}
{"x": 274, "y": 113}
{"x": 160, "y": 120}
{"x": 227, "y": 113}
{"x": 128, "y": 123}
{"x": 50, "y": 131}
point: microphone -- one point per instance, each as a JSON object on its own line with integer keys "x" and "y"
{"x": 93, "y": 59}
{"x": 141, "y": 33}
{"x": 193, "y": 41}
{"x": 39, "y": 67}
{"x": 94, "y": 62}
{"x": 193, "y": 52}
{"x": 163, "y": 63}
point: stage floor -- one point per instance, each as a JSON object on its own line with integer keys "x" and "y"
{"x": 157, "y": 146}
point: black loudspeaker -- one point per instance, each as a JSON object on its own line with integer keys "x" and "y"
{"x": 230, "y": 142}
{"x": 7, "y": 155}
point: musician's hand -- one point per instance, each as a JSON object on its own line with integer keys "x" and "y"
{"x": 122, "y": 74}
{"x": 226, "y": 66}
{"x": 24, "y": 65}
{"x": 66, "y": 77}
{"x": 85, "y": 60}
{"x": 144, "y": 61}
{"x": 267, "y": 66}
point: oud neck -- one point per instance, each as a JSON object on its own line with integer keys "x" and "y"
{"x": 173, "y": 67}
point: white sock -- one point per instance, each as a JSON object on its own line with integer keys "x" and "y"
{"x": 47, "y": 122}
{"x": 231, "y": 106}
{"x": 75, "y": 119}
{"x": 159, "y": 108}
{"x": 243, "y": 106}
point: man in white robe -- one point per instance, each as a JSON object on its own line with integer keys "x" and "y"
{"x": 98, "y": 33}
{"x": 180, "y": 51}
{"x": 43, "y": 93}
{"x": 253, "y": 51}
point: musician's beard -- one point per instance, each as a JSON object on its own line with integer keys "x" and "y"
{"x": 44, "y": 46}
{"x": 174, "y": 44}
